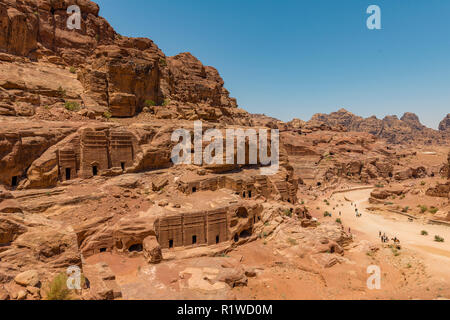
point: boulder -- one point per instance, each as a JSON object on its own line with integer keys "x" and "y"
{"x": 152, "y": 250}
{"x": 28, "y": 278}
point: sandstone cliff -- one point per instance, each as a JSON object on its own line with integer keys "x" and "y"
{"x": 43, "y": 63}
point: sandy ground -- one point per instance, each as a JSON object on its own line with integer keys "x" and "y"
{"x": 436, "y": 255}
{"x": 420, "y": 271}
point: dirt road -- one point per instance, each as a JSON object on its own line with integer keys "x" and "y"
{"x": 436, "y": 255}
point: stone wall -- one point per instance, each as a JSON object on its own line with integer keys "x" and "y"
{"x": 203, "y": 227}
{"x": 94, "y": 153}
{"x": 190, "y": 229}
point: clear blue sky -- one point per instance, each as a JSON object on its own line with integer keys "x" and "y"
{"x": 294, "y": 58}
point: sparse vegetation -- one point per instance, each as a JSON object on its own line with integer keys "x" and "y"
{"x": 288, "y": 213}
{"x": 150, "y": 103}
{"x": 292, "y": 242}
{"x": 338, "y": 220}
{"x": 433, "y": 210}
{"x": 58, "y": 289}
{"x": 72, "y": 106}
{"x": 73, "y": 70}
{"x": 423, "y": 183}
{"x": 423, "y": 209}
{"x": 424, "y": 233}
{"x": 166, "y": 102}
{"x": 327, "y": 214}
{"x": 405, "y": 209}
{"x": 395, "y": 251}
{"x": 162, "y": 62}
{"x": 379, "y": 185}
{"x": 107, "y": 115}
{"x": 438, "y": 238}
{"x": 61, "y": 92}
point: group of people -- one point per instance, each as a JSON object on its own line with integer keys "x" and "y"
{"x": 385, "y": 239}
{"x": 358, "y": 215}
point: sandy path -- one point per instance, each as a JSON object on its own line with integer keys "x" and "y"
{"x": 435, "y": 255}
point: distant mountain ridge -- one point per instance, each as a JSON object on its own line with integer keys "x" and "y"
{"x": 404, "y": 130}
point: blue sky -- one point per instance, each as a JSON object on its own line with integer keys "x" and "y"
{"x": 294, "y": 58}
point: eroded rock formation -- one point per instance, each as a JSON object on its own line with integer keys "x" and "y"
{"x": 394, "y": 130}
{"x": 94, "y": 66}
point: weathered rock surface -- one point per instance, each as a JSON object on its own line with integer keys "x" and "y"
{"x": 45, "y": 63}
{"x": 444, "y": 125}
{"x": 152, "y": 250}
{"x": 28, "y": 278}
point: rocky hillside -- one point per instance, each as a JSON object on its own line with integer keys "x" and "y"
{"x": 44, "y": 64}
{"x": 445, "y": 124}
{"x": 404, "y": 130}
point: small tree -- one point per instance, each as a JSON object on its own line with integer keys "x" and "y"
{"x": 58, "y": 289}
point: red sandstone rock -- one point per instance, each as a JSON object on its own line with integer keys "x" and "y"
{"x": 152, "y": 250}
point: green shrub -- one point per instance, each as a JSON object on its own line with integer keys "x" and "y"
{"x": 73, "y": 70}
{"x": 423, "y": 209}
{"x": 424, "y": 233}
{"x": 405, "y": 209}
{"x": 107, "y": 114}
{"x": 72, "y": 106}
{"x": 433, "y": 210}
{"x": 327, "y": 214}
{"x": 338, "y": 220}
{"x": 166, "y": 102}
{"x": 423, "y": 183}
{"x": 58, "y": 289}
{"x": 379, "y": 185}
{"x": 150, "y": 103}
{"x": 438, "y": 238}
